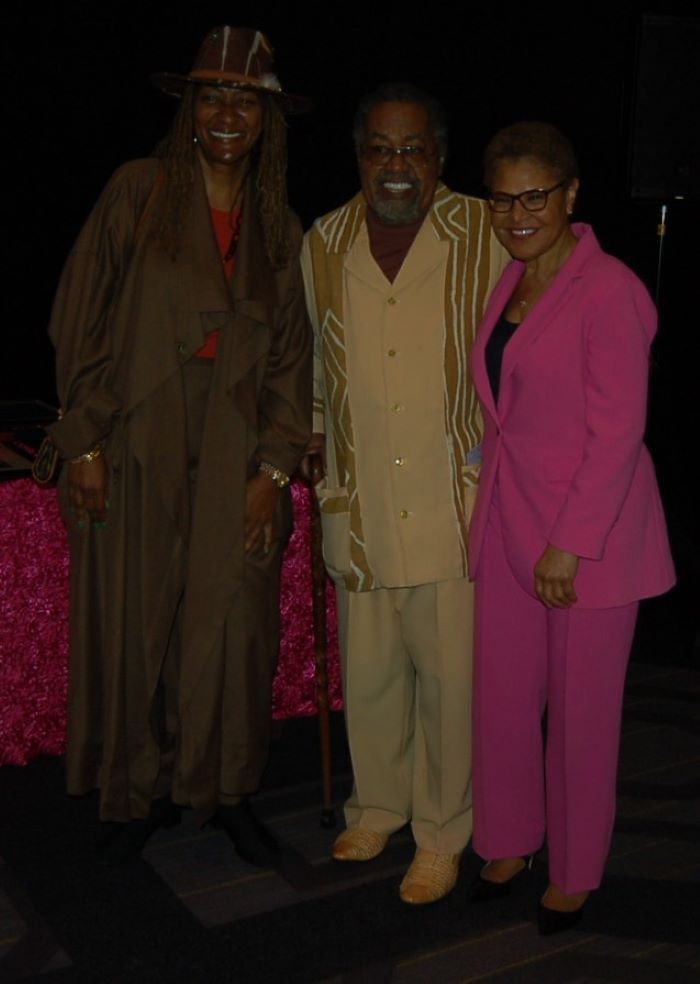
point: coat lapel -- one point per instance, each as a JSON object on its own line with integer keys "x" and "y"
{"x": 535, "y": 323}
{"x": 546, "y": 309}
{"x": 253, "y": 285}
{"x": 254, "y": 294}
{"x": 198, "y": 263}
{"x": 502, "y": 291}
{"x": 239, "y": 307}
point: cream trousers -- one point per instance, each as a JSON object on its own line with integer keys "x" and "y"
{"x": 407, "y": 666}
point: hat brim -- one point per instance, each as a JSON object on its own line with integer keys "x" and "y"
{"x": 174, "y": 85}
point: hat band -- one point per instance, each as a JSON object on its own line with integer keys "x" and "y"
{"x": 215, "y": 76}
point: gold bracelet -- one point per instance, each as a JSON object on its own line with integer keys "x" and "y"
{"x": 280, "y": 478}
{"x": 91, "y": 455}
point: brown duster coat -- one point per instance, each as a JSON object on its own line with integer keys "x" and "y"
{"x": 126, "y": 319}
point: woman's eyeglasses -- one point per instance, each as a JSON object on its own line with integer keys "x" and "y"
{"x": 534, "y": 200}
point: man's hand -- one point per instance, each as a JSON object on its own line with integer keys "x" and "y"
{"x": 313, "y": 465}
{"x": 87, "y": 489}
{"x": 555, "y": 572}
{"x": 261, "y": 498}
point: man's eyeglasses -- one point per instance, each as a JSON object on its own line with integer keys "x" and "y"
{"x": 533, "y": 200}
{"x": 382, "y": 153}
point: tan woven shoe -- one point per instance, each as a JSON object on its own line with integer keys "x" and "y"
{"x": 358, "y": 844}
{"x": 430, "y": 877}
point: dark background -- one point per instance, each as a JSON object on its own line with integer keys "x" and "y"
{"x": 78, "y": 103}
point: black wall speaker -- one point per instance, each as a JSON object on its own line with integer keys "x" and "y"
{"x": 665, "y": 139}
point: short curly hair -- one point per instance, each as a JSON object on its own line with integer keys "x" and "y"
{"x": 402, "y": 92}
{"x": 542, "y": 142}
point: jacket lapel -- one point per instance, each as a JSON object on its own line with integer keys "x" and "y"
{"x": 361, "y": 264}
{"x": 547, "y": 308}
{"x": 502, "y": 291}
{"x": 426, "y": 252}
{"x": 534, "y": 324}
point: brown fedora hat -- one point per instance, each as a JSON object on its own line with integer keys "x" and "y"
{"x": 238, "y": 57}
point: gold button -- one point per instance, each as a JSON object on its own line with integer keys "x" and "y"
{"x": 403, "y": 514}
{"x": 392, "y": 300}
{"x": 391, "y": 353}
{"x": 399, "y": 461}
{"x": 396, "y": 407}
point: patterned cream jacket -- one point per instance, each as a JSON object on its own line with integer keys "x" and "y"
{"x": 393, "y": 392}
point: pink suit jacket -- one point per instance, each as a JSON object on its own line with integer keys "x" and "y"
{"x": 564, "y": 446}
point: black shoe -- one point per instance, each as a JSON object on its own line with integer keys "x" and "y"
{"x": 125, "y": 841}
{"x": 551, "y": 921}
{"x": 252, "y": 840}
{"x": 483, "y": 890}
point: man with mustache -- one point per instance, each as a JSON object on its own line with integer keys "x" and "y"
{"x": 396, "y": 282}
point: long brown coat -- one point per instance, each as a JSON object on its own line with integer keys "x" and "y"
{"x": 126, "y": 319}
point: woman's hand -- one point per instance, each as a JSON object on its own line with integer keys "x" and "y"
{"x": 555, "y": 572}
{"x": 261, "y": 498}
{"x": 87, "y": 489}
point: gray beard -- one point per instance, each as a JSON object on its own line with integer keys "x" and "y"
{"x": 397, "y": 213}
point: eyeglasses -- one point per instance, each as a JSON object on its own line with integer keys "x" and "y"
{"x": 533, "y": 200}
{"x": 383, "y": 153}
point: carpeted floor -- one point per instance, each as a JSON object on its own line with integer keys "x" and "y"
{"x": 191, "y": 911}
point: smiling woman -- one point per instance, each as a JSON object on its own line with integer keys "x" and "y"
{"x": 532, "y": 177}
{"x": 227, "y": 124}
{"x": 568, "y": 532}
{"x": 183, "y": 357}
{"x": 533, "y": 222}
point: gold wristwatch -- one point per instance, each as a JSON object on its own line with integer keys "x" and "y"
{"x": 92, "y": 455}
{"x": 280, "y": 478}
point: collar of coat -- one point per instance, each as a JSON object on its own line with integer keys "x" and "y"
{"x": 448, "y": 215}
{"x": 253, "y": 286}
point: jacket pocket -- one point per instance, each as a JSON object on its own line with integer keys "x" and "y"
{"x": 335, "y": 524}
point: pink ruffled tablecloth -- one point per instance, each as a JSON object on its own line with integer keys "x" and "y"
{"x": 34, "y": 624}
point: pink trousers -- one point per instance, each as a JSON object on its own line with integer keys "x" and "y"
{"x": 528, "y": 789}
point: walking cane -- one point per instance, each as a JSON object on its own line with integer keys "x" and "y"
{"x": 318, "y": 579}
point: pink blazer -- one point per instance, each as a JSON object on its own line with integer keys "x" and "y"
{"x": 563, "y": 449}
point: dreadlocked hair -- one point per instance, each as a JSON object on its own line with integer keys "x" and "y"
{"x": 269, "y": 161}
{"x": 271, "y": 184}
{"x": 176, "y": 153}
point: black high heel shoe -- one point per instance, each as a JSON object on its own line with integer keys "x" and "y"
{"x": 483, "y": 890}
{"x": 252, "y": 840}
{"x": 551, "y": 921}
